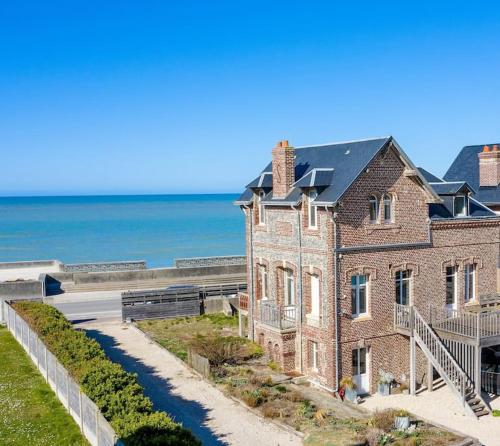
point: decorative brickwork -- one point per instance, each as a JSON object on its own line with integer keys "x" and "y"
{"x": 410, "y": 241}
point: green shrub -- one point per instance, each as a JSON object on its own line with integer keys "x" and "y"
{"x": 116, "y": 392}
{"x": 221, "y": 350}
{"x": 495, "y": 413}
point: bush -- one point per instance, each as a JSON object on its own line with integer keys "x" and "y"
{"x": 116, "y": 392}
{"x": 221, "y": 350}
{"x": 252, "y": 398}
{"x": 383, "y": 419}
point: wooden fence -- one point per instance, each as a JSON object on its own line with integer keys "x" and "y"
{"x": 199, "y": 363}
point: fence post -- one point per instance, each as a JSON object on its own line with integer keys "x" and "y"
{"x": 46, "y": 364}
{"x": 96, "y": 425}
{"x": 413, "y": 354}
{"x": 81, "y": 408}
{"x": 67, "y": 392}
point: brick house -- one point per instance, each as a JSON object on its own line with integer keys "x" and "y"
{"x": 359, "y": 262}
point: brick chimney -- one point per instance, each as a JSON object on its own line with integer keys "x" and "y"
{"x": 283, "y": 169}
{"x": 489, "y": 166}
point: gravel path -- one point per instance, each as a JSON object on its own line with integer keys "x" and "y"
{"x": 443, "y": 407}
{"x": 213, "y": 418}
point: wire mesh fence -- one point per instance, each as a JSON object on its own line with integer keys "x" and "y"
{"x": 85, "y": 413}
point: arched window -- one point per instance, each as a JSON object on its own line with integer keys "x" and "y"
{"x": 387, "y": 203}
{"x": 373, "y": 209}
{"x": 262, "y": 209}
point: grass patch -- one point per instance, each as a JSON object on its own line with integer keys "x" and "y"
{"x": 235, "y": 369}
{"x": 30, "y": 413}
{"x": 177, "y": 334}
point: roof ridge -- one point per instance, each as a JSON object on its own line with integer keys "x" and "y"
{"x": 343, "y": 142}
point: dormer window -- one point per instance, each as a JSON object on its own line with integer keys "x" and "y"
{"x": 373, "y": 209}
{"x": 312, "y": 210}
{"x": 262, "y": 209}
{"x": 460, "y": 206}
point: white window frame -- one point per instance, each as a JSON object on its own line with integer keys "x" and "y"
{"x": 264, "y": 282}
{"x": 356, "y": 288}
{"x": 262, "y": 208}
{"x": 400, "y": 281}
{"x": 387, "y": 198}
{"x": 289, "y": 287}
{"x": 465, "y": 207}
{"x": 470, "y": 281}
{"x": 373, "y": 200}
{"x": 314, "y": 355}
{"x": 312, "y": 210}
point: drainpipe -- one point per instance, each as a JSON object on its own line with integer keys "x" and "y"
{"x": 336, "y": 266}
{"x": 251, "y": 330}
{"x": 299, "y": 297}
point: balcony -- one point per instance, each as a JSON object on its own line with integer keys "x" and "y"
{"x": 481, "y": 328}
{"x": 278, "y": 316}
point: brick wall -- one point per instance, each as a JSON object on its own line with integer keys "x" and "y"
{"x": 440, "y": 244}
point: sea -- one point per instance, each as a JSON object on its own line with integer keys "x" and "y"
{"x": 155, "y": 228}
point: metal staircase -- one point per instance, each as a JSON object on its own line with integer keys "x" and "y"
{"x": 408, "y": 318}
{"x": 446, "y": 365}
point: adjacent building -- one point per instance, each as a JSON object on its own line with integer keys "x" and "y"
{"x": 359, "y": 262}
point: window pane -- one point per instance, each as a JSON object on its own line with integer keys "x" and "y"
{"x": 373, "y": 209}
{"x": 460, "y": 208}
{"x": 362, "y": 361}
{"x": 362, "y": 280}
{"x": 387, "y": 209}
{"x": 355, "y": 362}
{"x": 450, "y": 285}
{"x": 404, "y": 292}
{"x": 353, "y": 301}
{"x": 362, "y": 300}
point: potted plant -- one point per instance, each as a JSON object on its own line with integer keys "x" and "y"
{"x": 349, "y": 386}
{"x": 402, "y": 420}
{"x": 384, "y": 383}
{"x": 404, "y": 388}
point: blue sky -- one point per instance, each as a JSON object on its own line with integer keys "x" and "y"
{"x": 173, "y": 97}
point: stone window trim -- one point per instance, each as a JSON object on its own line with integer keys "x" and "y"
{"x": 379, "y": 200}
{"x": 360, "y": 271}
{"x": 405, "y": 266}
{"x": 460, "y": 263}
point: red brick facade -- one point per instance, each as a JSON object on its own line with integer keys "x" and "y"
{"x": 345, "y": 237}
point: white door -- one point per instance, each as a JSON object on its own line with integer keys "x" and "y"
{"x": 360, "y": 370}
{"x": 315, "y": 297}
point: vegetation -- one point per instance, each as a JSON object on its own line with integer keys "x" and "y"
{"x": 30, "y": 413}
{"x": 239, "y": 370}
{"x": 116, "y": 392}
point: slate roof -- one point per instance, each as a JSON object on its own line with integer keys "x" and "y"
{"x": 450, "y": 188}
{"x": 429, "y": 176}
{"x": 445, "y": 209}
{"x": 466, "y": 168}
{"x": 331, "y": 168}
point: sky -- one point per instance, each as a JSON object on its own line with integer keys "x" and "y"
{"x": 190, "y": 97}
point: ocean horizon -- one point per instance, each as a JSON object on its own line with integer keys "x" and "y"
{"x": 157, "y": 228}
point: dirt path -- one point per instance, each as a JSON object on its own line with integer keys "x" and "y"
{"x": 213, "y": 418}
{"x": 443, "y": 407}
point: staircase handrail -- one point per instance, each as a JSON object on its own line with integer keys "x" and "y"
{"x": 454, "y": 374}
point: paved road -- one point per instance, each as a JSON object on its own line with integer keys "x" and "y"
{"x": 215, "y": 419}
{"x": 92, "y": 305}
